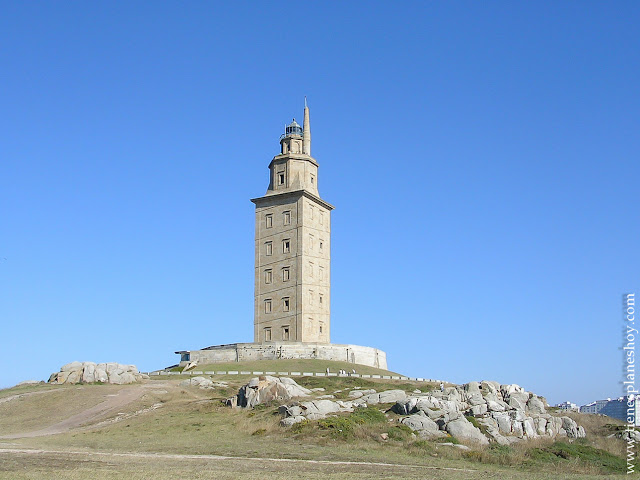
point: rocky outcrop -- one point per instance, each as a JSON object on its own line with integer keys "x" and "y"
{"x": 202, "y": 383}
{"x": 266, "y": 389}
{"x": 478, "y": 412}
{"x": 90, "y": 372}
{"x": 501, "y": 413}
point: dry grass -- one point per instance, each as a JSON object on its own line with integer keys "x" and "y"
{"x": 194, "y": 421}
{"x": 598, "y": 428}
{"x": 33, "y": 410}
{"x": 313, "y": 366}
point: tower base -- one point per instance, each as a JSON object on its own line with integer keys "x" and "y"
{"x": 241, "y": 352}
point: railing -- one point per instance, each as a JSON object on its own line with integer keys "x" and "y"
{"x": 294, "y": 374}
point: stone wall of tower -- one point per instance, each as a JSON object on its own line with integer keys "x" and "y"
{"x": 292, "y": 269}
{"x": 277, "y": 246}
{"x": 315, "y": 271}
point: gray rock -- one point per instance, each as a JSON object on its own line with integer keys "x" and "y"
{"x": 288, "y": 421}
{"x": 100, "y": 375}
{"x": 322, "y": 407}
{"x": 71, "y": 366}
{"x": 529, "y": 428}
{"x": 75, "y": 376}
{"x": 571, "y": 428}
{"x": 266, "y": 389}
{"x": 391, "y": 396}
{"x": 420, "y": 422}
{"x": 88, "y": 375}
{"x": 25, "y": 383}
{"x": 462, "y": 428}
{"x": 478, "y": 410}
{"x": 540, "y": 424}
{"x": 535, "y": 405}
{"x": 472, "y": 387}
{"x": 495, "y": 406}
{"x": 504, "y": 421}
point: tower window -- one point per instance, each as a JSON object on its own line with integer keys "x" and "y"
{"x": 286, "y": 245}
{"x": 310, "y": 297}
{"x": 321, "y": 299}
{"x": 321, "y": 218}
{"x": 268, "y": 248}
{"x": 280, "y": 178}
{"x": 287, "y": 217}
{"x": 267, "y": 334}
{"x": 268, "y": 220}
{"x": 268, "y": 276}
{"x": 320, "y": 244}
{"x": 285, "y": 304}
{"x": 313, "y": 179}
{"x": 320, "y": 328}
{"x": 286, "y": 274}
{"x": 311, "y": 242}
{"x": 321, "y": 273}
{"x": 285, "y": 333}
{"x": 311, "y": 269}
{"x": 312, "y": 211}
{"x": 267, "y": 305}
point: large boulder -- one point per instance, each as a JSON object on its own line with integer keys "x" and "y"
{"x": 90, "y": 372}
{"x": 462, "y": 428}
{"x": 265, "y": 389}
{"x": 388, "y": 396}
{"x": 421, "y": 423}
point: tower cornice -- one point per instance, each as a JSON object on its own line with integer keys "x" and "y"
{"x": 296, "y": 193}
{"x": 293, "y": 156}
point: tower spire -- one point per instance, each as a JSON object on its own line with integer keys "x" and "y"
{"x": 306, "y": 131}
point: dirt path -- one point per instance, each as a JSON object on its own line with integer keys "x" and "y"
{"x": 109, "y": 405}
{"x": 169, "y": 456}
{"x": 23, "y": 395}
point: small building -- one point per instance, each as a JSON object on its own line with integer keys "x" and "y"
{"x": 567, "y": 406}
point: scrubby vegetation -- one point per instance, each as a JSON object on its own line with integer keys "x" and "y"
{"x": 193, "y": 421}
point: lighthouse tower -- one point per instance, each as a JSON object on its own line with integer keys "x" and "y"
{"x": 293, "y": 246}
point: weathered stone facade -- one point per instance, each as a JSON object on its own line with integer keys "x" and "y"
{"x": 292, "y": 247}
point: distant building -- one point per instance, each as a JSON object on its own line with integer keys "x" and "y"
{"x": 594, "y": 407}
{"x": 617, "y": 408}
{"x": 568, "y": 406}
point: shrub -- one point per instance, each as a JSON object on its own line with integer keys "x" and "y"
{"x": 367, "y": 415}
{"x": 339, "y": 426}
{"x": 400, "y": 432}
{"x": 300, "y": 426}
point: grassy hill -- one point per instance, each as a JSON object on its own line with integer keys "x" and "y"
{"x": 162, "y": 430}
{"x": 292, "y": 365}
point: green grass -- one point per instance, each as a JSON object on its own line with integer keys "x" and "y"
{"x": 564, "y": 452}
{"x": 346, "y": 384}
{"x": 312, "y": 366}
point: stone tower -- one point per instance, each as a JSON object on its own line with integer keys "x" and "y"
{"x": 292, "y": 246}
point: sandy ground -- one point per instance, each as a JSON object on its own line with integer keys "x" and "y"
{"x": 111, "y": 403}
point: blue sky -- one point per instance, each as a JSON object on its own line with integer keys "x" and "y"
{"x": 482, "y": 157}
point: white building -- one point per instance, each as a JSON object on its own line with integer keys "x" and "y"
{"x": 568, "y": 406}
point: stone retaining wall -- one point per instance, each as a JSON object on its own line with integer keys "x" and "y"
{"x": 242, "y": 352}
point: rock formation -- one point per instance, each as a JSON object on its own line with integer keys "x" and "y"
{"x": 266, "y": 389}
{"x": 479, "y": 412}
{"x": 90, "y": 372}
